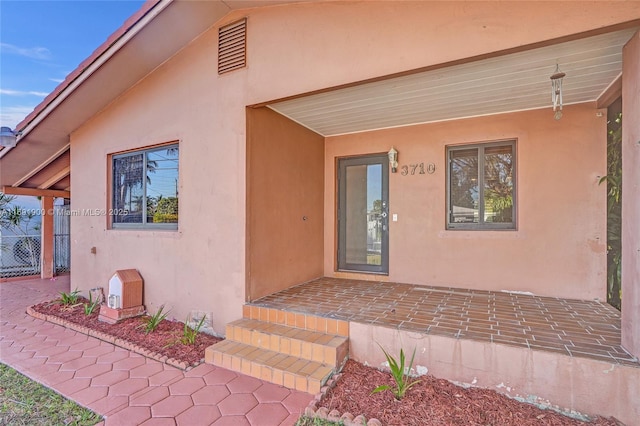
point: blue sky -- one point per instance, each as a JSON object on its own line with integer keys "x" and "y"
{"x": 43, "y": 41}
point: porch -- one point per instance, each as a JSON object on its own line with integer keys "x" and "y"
{"x": 576, "y": 328}
{"x": 555, "y": 352}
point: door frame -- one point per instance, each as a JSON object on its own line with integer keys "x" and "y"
{"x": 341, "y": 262}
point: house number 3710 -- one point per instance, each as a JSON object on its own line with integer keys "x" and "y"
{"x": 418, "y": 168}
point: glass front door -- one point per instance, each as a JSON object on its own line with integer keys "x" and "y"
{"x": 363, "y": 205}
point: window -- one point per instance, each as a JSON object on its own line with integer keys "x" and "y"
{"x": 145, "y": 188}
{"x": 481, "y": 186}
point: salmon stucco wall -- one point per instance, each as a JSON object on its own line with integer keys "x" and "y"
{"x": 559, "y": 246}
{"x": 285, "y": 178}
{"x": 631, "y": 196}
{"x": 201, "y": 266}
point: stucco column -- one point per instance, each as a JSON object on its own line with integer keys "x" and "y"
{"x": 631, "y": 195}
{"x": 46, "y": 238}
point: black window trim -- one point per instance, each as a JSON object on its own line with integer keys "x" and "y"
{"x": 144, "y": 225}
{"x": 482, "y": 226}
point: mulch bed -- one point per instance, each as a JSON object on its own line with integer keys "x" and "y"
{"x": 165, "y": 340}
{"x": 435, "y": 402}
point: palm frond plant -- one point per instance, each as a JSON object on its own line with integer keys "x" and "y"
{"x": 151, "y": 323}
{"x": 400, "y": 374}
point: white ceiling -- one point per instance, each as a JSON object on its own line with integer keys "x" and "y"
{"x": 513, "y": 82}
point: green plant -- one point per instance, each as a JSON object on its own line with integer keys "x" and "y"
{"x": 315, "y": 421}
{"x": 68, "y": 299}
{"x": 613, "y": 179}
{"x": 25, "y": 402}
{"x": 189, "y": 334}
{"x": 91, "y": 306}
{"x": 400, "y": 375}
{"x": 150, "y": 323}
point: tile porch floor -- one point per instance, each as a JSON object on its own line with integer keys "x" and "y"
{"x": 572, "y": 327}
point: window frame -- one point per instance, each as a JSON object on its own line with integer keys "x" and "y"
{"x": 144, "y": 225}
{"x": 482, "y": 225}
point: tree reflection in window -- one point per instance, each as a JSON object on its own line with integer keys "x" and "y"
{"x": 145, "y": 188}
{"x": 481, "y": 200}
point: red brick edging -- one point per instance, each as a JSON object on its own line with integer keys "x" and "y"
{"x": 323, "y": 413}
{"x": 113, "y": 340}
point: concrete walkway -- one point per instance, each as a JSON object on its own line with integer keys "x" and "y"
{"x": 126, "y": 388}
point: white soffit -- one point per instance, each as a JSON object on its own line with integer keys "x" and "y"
{"x": 513, "y": 82}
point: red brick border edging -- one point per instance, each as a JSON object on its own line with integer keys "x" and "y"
{"x": 323, "y": 413}
{"x": 182, "y": 365}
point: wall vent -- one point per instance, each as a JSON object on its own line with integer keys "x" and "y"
{"x": 232, "y": 46}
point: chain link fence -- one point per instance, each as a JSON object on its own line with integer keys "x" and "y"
{"x": 20, "y": 253}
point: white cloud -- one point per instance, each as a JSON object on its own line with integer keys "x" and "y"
{"x": 57, "y": 80}
{"x": 41, "y": 53}
{"x": 11, "y": 116}
{"x": 10, "y": 92}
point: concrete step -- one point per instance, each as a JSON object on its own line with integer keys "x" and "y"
{"x": 272, "y": 366}
{"x": 298, "y": 320}
{"x": 299, "y": 351}
{"x": 306, "y": 344}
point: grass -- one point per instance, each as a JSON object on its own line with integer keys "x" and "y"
{"x": 25, "y": 402}
{"x": 308, "y": 421}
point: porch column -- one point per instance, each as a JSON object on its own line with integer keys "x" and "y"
{"x": 631, "y": 195}
{"x": 46, "y": 238}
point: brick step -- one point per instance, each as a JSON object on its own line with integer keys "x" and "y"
{"x": 282, "y": 369}
{"x": 306, "y": 344}
{"x": 298, "y": 320}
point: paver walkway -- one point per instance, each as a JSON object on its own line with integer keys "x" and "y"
{"x": 127, "y": 388}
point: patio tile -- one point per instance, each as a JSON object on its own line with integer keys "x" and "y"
{"x": 77, "y": 363}
{"x": 150, "y": 396}
{"x": 93, "y": 370}
{"x": 65, "y": 357}
{"x": 267, "y": 414}
{"x": 129, "y": 416}
{"x": 90, "y": 394}
{"x": 97, "y": 351}
{"x": 72, "y": 386}
{"x": 200, "y": 414}
{"x": 297, "y": 401}
{"x": 44, "y": 369}
{"x": 109, "y": 404}
{"x": 112, "y": 357}
{"x": 244, "y": 384}
{"x": 171, "y": 406}
{"x": 129, "y": 363}
{"x": 146, "y": 370}
{"x": 210, "y": 395}
{"x": 219, "y": 376}
{"x": 232, "y": 421}
{"x": 271, "y": 393}
{"x": 88, "y": 344}
{"x": 165, "y": 377}
{"x": 200, "y": 371}
{"x": 57, "y": 377}
{"x": 237, "y": 404}
{"x": 186, "y": 386}
{"x": 159, "y": 421}
{"x": 110, "y": 378}
{"x": 128, "y": 387}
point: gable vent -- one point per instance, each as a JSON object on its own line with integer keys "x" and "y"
{"x": 232, "y": 46}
